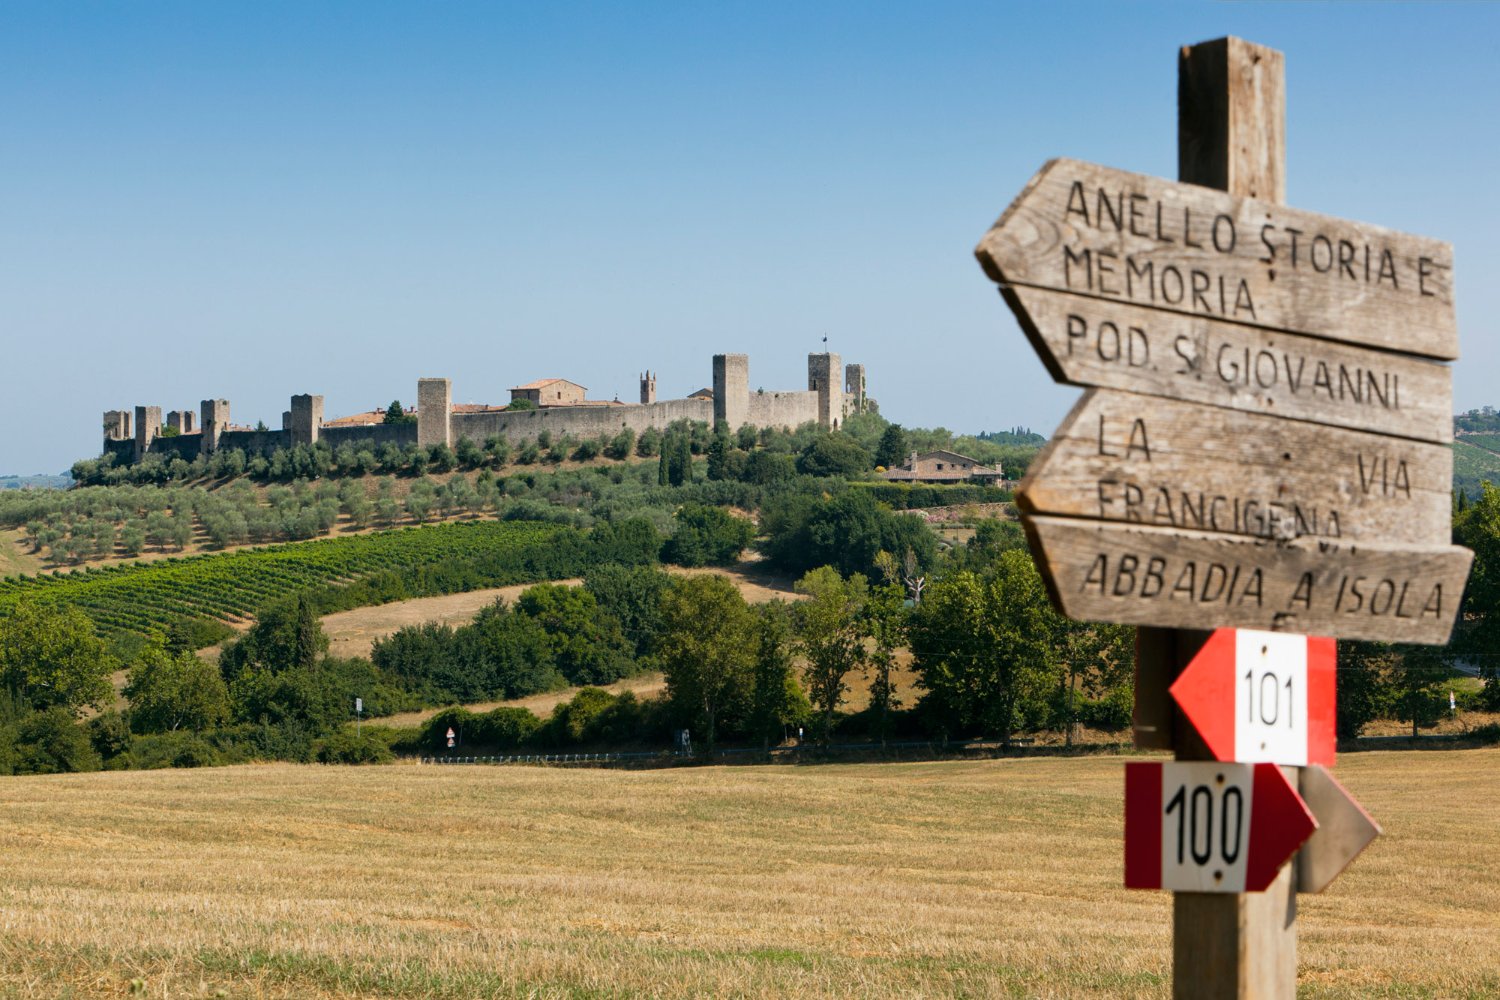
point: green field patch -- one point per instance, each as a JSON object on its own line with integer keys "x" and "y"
{"x": 365, "y": 569}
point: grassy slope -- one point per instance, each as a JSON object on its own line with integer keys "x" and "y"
{"x": 996, "y": 878}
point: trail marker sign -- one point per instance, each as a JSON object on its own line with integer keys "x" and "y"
{"x": 1262, "y": 445}
{"x": 1344, "y": 829}
{"x": 1262, "y": 697}
{"x": 1209, "y": 827}
{"x": 1100, "y": 233}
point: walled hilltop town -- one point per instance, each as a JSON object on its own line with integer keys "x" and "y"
{"x": 557, "y": 406}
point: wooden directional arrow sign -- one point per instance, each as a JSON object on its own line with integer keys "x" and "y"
{"x": 1123, "y": 457}
{"x": 1092, "y": 231}
{"x": 1087, "y": 341}
{"x": 1344, "y": 829}
{"x": 1263, "y": 445}
{"x": 1209, "y": 827}
{"x": 1141, "y": 575}
{"x": 1262, "y": 697}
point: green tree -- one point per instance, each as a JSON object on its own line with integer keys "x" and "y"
{"x": 676, "y": 464}
{"x": 705, "y": 647}
{"x": 621, "y": 445}
{"x": 397, "y": 416}
{"x": 632, "y": 594}
{"x": 649, "y": 443}
{"x": 831, "y": 633}
{"x": 52, "y": 742}
{"x": 888, "y": 620}
{"x": 765, "y": 467}
{"x": 776, "y": 700}
{"x": 892, "y": 449}
{"x": 50, "y": 657}
{"x": 287, "y": 636}
{"x": 987, "y": 648}
{"x": 169, "y": 692}
{"x": 847, "y": 532}
{"x": 707, "y": 536}
{"x": 1363, "y": 691}
{"x": 1097, "y": 660}
{"x": 587, "y": 643}
{"x": 1477, "y": 527}
{"x": 833, "y": 455}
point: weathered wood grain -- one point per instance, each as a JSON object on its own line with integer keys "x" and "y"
{"x": 1231, "y": 118}
{"x": 1120, "y": 456}
{"x": 1140, "y": 575}
{"x": 1344, "y": 829}
{"x": 1099, "y": 342}
{"x": 1079, "y": 227}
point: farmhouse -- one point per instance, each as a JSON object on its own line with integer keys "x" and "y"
{"x": 943, "y": 467}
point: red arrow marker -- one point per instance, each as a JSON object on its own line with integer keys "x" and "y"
{"x": 1262, "y": 696}
{"x": 1203, "y": 826}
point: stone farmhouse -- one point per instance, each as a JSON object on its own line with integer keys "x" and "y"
{"x": 943, "y": 467}
{"x": 560, "y": 407}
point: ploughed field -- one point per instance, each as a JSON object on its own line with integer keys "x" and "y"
{"x": 948, "y": 879}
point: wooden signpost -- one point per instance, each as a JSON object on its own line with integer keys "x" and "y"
{"x": 1262, "y": 452}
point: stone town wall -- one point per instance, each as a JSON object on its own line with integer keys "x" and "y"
{"x": 371, "y": 436}
{"x": 781, "y": 409}
{"x": 823, "y": 402}
{"x": 579, "y": 421}
{"x": 255, "y": 442}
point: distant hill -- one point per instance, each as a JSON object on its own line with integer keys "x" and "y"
{"x": 1477, "y": 421}
{"x": 1476, "y": 449}
{"x": 37, "y": 482}
{"x": 1016, "y": 435}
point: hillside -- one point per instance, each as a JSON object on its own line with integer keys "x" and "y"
{"x": 1476, "y": 459}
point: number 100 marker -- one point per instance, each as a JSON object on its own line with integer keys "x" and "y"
{"x": 1194, "y": 826}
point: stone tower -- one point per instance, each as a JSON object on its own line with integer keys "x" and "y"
{"x": 147, "y": 427}
{"x": 648, "y": 387}
{"x": 732, "y": 389}
{"x": 824, "y": 376}
{"x": 215, "y": 414}
{"x": 306, "y": 419}
{"x": 854, "y": 388}
{"x": 434, "y": 408}
{"x": 117, "y": 425}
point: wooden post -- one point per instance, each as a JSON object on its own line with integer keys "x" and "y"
{"x": 1231, "y": 135}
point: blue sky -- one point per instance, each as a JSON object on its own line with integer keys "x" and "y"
{"x": 253, "y": 200}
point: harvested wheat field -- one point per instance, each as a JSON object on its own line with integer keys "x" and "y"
{"x": 950, "y": 879}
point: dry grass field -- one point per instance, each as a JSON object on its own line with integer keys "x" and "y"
{"x": 955, "y": 879}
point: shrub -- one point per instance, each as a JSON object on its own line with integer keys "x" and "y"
{"x": 498, "y": 729}
{"x": 833, "y": 455}
{"x": 345, "y": 747}
{"x": 174, "y": 750}
{"x": 707, "y": 536}
{"x": 51, "y": 742}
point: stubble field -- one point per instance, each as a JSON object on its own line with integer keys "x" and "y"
{"x": 949, "y": 879}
